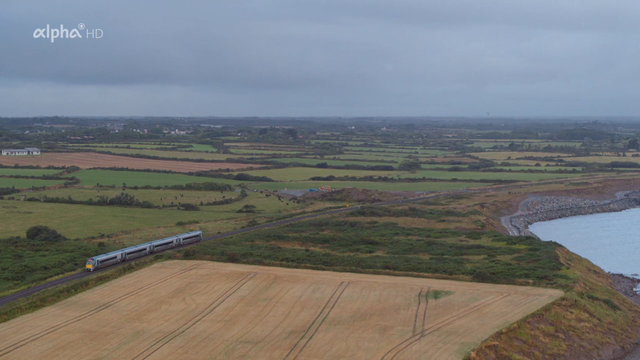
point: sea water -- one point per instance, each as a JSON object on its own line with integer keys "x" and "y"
{"x": 609, "y": 240}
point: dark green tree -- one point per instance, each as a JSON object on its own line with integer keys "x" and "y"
{"x": 409, "y": 165}
{"x": 44, "y": 233}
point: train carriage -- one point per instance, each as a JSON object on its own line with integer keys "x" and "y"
{"x": 141, "y": 250}
{"x": 191, "y": 237}
{"x": 165, "y": 244}
{"x": 107, "y": 259}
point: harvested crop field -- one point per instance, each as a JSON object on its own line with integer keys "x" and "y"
{"x": 197, "y": 310}
{"x": 86, "y": 160}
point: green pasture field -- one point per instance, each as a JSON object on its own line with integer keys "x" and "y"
{"x": 27, "y": 172}
{"x": 332, "y": 162}
{"x": 450, "y": 157}
{"x": 370, "y": 157}
{"x": 439, "y": 166}
{"x": 504, "y": 155}
{"x": 263, "y": 152}
{"x": 538, "y": 168}
{"x": 351, "y": 143}
{"x": 399, "y": 152}
{"x": 492, "y": 143}
{"x": 531, "y": 163}
{"x": 80, "y": 221}
{"x": 605, "y": 159}
{"x": 476, "y": 175}
{"x": 558, "y": 143}
{"x": 408, "y": 150}
{"x": 156, "y": 197}
{"x": 173, "y": 154}
{"x": 434, "y": 152}
{"x": 202, "y": 147}
{"x": 382, "y": 186}
{"x": 267, "y": 145}
{"x": 229, "y": 138}
{"x": 193, "y": 147}
{"x": 120, "y": 145}
{"x": 27, "y": 183}
{"x": 140, "y": 178}
{"x": 503, "y": 140}
{"x": 300, "y": 173}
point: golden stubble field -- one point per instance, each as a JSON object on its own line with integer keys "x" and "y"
{"x": 205, "y": 310}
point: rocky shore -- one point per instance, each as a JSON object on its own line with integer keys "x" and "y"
{"x": 544, "y": 208}
{"x": 626, "y": 286}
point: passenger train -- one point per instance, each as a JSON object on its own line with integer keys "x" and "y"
{"x": 137, "y": 251}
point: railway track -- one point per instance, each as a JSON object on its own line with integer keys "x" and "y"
{"x": 77, "y": 276}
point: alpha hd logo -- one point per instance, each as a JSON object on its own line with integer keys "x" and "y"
{"x": 54, "y": 33}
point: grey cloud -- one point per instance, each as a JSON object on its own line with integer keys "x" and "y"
{"x": 337, "y": 57}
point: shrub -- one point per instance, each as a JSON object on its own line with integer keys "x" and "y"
{"x": 190, "y": 207}
{"x": 44, "y": 233}
{"x": 232, "y": 257}
{"x": 189, "y": 253}
{"x": 247, "y": 209}
{"x": 483, "y": 276}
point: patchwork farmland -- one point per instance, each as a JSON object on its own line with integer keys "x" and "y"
{"x": 193, "y": 309}
{"x": 87, "y": 160}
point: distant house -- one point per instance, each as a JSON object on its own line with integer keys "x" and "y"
{"x": 19, "y": 152}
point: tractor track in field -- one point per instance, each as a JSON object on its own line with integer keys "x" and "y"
{"x": 299, "y": 346}
{"x": 399, "y": 348}
{"x": 195, "y": 319}
{"x": 17, "y": 345}
{"x": 424, "y": 316}
{"x": 424, "y": 312}
{"x": 77, "y": 276}
{"x": 220, "y": 310}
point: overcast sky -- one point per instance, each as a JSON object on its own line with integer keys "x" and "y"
{"x": 322, "y": 58}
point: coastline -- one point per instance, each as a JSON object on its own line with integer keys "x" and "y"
{"x": 626, "y": 285}
{"x": 544, "y": 208}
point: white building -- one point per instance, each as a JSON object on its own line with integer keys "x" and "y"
{"x": 19, "y": 152}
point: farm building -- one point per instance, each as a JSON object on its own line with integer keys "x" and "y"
{"x": 16, "y": 152}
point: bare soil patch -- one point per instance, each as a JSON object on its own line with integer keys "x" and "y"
{"x": 86, "y": 160}
{"x": 198, "y": 310}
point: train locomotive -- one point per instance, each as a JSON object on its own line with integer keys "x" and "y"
{"x": 114, "y": 257}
